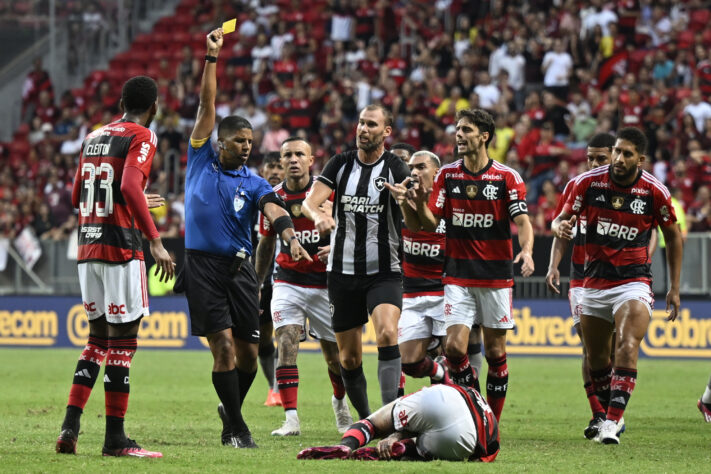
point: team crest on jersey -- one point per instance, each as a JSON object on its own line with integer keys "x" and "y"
{"x": 490, "y": 192}
{"x": 617, "y": 201}
{"x": 238, "y": 201}
{"x": 637, "y": 206}
{"x": 471, "y": 190}
{"x": 379, "y": 183}
{"x": 296, "y": 210}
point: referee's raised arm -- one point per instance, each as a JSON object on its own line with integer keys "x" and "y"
{"x": 205, "y": 120}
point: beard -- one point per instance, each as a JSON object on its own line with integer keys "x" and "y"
{"x": 624, "y": 175}
{"x": 372, "y": 145}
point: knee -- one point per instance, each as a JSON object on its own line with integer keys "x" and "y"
{"x": 386, "y": 336}
{"x": 349, "y": 361}
{"x": 223, "y": 351}
{"x": 454, "y": 350}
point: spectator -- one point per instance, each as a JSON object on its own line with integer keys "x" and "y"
{"x": 487, "y": 91}
{"x": 543, "y": 161}
{"x": 37, "y": 80}
{"x": 557, "y": 68}
{"x": 699, "y": 215}
{"x": 698, "y": 108}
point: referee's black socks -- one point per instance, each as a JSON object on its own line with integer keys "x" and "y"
{"x": 227, "y": 386}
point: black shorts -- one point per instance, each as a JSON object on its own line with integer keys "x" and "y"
{"x": 218, "y": 300}
{"x": 265, "y": 305}
{"x": 353, "y": 298}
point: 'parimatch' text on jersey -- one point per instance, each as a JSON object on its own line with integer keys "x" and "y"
{"x": 619, "y": 225}
{"x": 368, "y": 219}
{"x": 477, "y": 208}
{"x": 301, "y": 273}
{"x": 107, "y": 232}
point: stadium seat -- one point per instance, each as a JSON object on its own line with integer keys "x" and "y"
{"x": 685, "y": 39}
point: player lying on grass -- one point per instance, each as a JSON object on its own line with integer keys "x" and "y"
{"x": 428, "y": 424}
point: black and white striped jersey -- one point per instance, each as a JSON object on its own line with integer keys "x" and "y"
{"x": 368, "y": 219}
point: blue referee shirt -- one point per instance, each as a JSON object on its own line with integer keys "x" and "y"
{"x": 220, "y": 205}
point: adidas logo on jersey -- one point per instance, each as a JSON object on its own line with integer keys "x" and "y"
{"x": 600, "y": 198}
{"x": 456, "y": 189}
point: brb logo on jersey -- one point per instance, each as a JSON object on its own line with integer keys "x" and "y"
{"x": 617, "y": 231}
{"x": 421, "y": 248}
{"x": 463, "y": 219}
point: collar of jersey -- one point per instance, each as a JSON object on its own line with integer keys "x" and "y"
{"x": 298, "y": 191}
{"x": 481, "y": 171}
{"x": 242, "y": 172}
{"x": 360, "y": 162}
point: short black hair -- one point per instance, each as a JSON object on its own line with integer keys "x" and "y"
{"x": 386, "y": 113}
{"x": 139, "y": 94}
{"x": 602, "y": 140}
{"x": 404, "y": 146}
{"x": 636, "y": 136}
{"x": 230, "y": 124}
{"x": 273, "y": 157}
{"x": 481, "y": 119}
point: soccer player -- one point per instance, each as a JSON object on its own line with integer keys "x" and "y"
{"x": 403, "y": 150}
{"x": 114, "y": 164}
{"x": 599, "y": 152}
{"x": 299, "y": 291}
{"x": 704, "y": 403}
{"x": 273, "y": 172}
{"x": 476, "y": 196}
{"x": 449, "y": 422}
{"x": 222, "y": 198}
{"x": 422, "y": 315}
{"x": 363, "y": 265}
{"x": 622, "y": 205}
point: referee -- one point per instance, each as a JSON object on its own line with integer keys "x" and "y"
{"x": 222, "y": 198}
{"x": 364, "y": 276}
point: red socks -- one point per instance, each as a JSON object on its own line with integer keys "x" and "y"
{"x": 287, "y": 378}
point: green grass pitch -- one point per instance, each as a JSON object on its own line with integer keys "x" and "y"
{"x": 173, "y": 410}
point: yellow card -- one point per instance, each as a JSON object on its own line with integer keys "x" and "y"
{"x": 229, "y": 26}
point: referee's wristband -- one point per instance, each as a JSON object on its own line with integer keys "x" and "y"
{"x": 210, "y": 59}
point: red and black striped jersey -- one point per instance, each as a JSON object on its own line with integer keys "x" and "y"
{"x": 303, "y": 273}
{"x": 107, "y": 229}
{"x": 619, "y": 225}
{"x": 477, "y": 208}
{"x": 422, "y": 262}
{"x": 487, "y": 428}
{"x": 577, "y": 260}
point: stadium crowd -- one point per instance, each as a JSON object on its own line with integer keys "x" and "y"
{"x": 553, "y": 73}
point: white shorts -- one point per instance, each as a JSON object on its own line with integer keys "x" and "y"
{"x": 605, "y": 303}
{"x": 487, "y": 307}
{"x": 440, "y": 418}
{"x": 422, "y": 317}
{"x": 118, "y": 291}
{"x": 575, "y": 297}
{"x": 292, "y": 304}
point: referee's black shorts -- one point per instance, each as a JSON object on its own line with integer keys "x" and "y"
{"x": 218, "y": 300}
{"x": 353, "y": 297}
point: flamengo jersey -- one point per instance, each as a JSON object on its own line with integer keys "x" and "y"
{"x": 477, "y": 208}
{"x": 422, "y": 261}
{"x": 303, "y": 273}
{"x": 619, "y": 225}
{"x": 577, "y": 260}
{"x": 107, "y": 232}
{"x": 368, "y": 219}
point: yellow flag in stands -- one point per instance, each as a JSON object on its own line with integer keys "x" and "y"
{"x": 229, "y": 26}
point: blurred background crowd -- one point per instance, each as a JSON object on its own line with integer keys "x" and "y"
{"x": 551, "y": 72}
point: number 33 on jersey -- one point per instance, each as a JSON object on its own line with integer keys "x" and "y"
{"x": 107, "y": 231}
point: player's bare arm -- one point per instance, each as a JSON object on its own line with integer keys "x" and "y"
{"x": 558, "y": 249}
{"x": 311, "y": 207}
{"x": 563, "y": 225}
{"x": 264, "y": 256}
{"x": 166, "y": 266}
{"x": 409, "y": 213}
{"x": 273, "y": 212}
{"x": 205, "y": 121}
{"x": 323, "y": 252}
{"x": 419, "y": 195}
{"x": 675, "y": 252}
{"x": 525, "y": 240}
